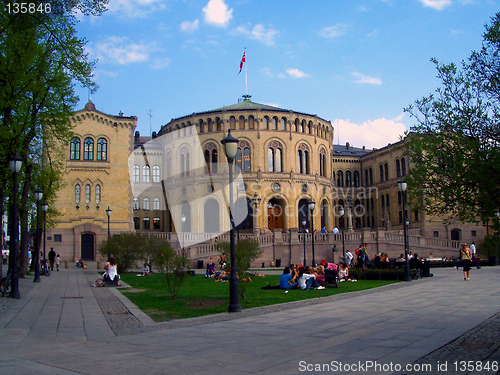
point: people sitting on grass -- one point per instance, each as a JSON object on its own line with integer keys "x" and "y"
{"x": 307, "y": 280}
{"x": 344, "y": 273}
{"x": 286, "y": 280}
{"x": 320, "y": 278}
{"x": 210, "y": 270}
{"x": 111, "y": 271}
{"x": 145, "y": 270}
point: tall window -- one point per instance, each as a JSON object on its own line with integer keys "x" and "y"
{"x": 98, "y": 194}
{"x": 340, "y": 178}
{"x": 243, "y": 156}
{"x": 145, "y": 203}
{"x": 403, "y": 167}
{"x": 303, "y": 159}
{"x": 74, "y": 153}
{"x": 371, "y": 176}
{"x": 265, "y": 122}
{"x": 251, "y": 122}
{"x": 356, "y": 179}
{"x": 322, "y": 162}
{"x": 156, "y": 174}
{"x": 137, "y": 173}
{"x": 275, "y": 123}
{"x": 88, "y": 149}
{"x": 386, "y": 170}
{"x": 77, "y": 194}
{"x": 185, "y": 162}
{"x": 102, "y": 149}
{"x": 274, "y": 157}
{"x": 398, "y": 168}
{"x": 136, "y": 203}
{"x": 146, "y": 223}
{"x": 303, "y": 126}
{"x": 232, "y": 123}
{"x": 283, "y": 123}
{"x": 348, "y": 179}
{"x": 211, "y": 158}
{"x": 246, "y": 160}
{"x": 366, "y": 177}
{"x": 156, "y": 203}
{"x": 381, "y": 173}
{"x": 242, "y": 122}
{"x": 146, "y": 174}
{"x": 87, "y": 194}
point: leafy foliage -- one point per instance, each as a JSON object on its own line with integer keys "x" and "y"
{"x": 173, "y": 266}
{"x": 247, "y": 250}
{"x": 454, "y": 146}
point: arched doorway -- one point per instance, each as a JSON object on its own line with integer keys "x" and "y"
{"x": 275, "y": 214}
{"x": 244, "y": 207}
{"x": 211, "y": 216}
{"x": 325, "y": 212}
{"x": 455, "y": 234}
{"x": 87, "y": 248}
{"x": 303, "y": 213}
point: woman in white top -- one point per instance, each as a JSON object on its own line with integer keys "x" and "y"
{"x": 111, "y": 270}
{"x": 306, "y": 280}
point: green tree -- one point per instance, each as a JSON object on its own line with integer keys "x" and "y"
{"x": 454, "y": 145}
{"x": 173, "y": 266}
{"x": 247, "y": 250}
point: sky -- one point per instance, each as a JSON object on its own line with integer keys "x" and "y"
{"x": 356, "y": 63}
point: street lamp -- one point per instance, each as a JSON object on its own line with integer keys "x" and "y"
{"x": 183, "y": 220}
{"x": 15, "y": 165}
{"x": 38, "y": 198}
{"x": 341, "y": 213}
{"x": 255, "y": 203}
{"x": 311, "y": 205}
{"x": 45, "y": 207}
{"x": 230, "y": 148}
{"x": 402, "y": 187}
{"x": 304, "y": 222}
{"x": 108, "y": 213}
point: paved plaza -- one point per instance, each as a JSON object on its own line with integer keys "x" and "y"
{"x": 435, "y": 325}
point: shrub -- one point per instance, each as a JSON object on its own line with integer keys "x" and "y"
{"x": 173, "y": 266}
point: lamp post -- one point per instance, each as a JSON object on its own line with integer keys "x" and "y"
{"x": 311, "y": 205}
{"x": 304, "y": 222}
{"x": 255, "y": 203}
{"x": 230, "y": 148}
{"x": 497, "y": 214}
{"x": 38, "y": 198}
{"x": 341, "y": 213}
{"x": 45, "y": 207}
{"x": 108, "y": 213}
{"x": 349, "y": 214}
{"x": 183, "y": 220}
{"x": 15, "y": 165}
{"x": 402, "y": 187}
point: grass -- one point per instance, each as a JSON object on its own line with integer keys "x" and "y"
{"x": 199, "y": 296}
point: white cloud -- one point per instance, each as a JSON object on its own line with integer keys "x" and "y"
{"x": 374, "y": 133}
{"x": 260, "y": 33}
{"x": 159, "y": 63}
{"x": 217, "y": 13}
{"x": 366, "y": 79}
{"x": 295, "y": 73}
{"x": 189, "y": 27}
{"x": 119, "y": 50}
{"x": 333, "y": 31}
{"x": 437, "y": 4}
{"x": 135, "y": 8}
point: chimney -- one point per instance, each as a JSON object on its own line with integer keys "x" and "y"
{"x": 347, "y": 145}
{"x": 137, "y": 135}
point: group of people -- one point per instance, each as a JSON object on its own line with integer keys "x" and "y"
{"x": 303, "y": 278}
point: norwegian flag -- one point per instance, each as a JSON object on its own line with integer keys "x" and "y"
{"x": 242, "y": 61}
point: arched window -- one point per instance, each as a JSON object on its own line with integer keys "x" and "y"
{"x": 146, "y": 174}
{"x": 210, "y": 125}
{"x": 88, "y": 149}
{"x": 102, "y": 149}
{"x": 403, "y": 167}
{"x": 387, "y": 201}
{"x": 145, "y": 203}
{"x": 297, "y": 124}
{"x": 137, "y": 173}
{"x": 383, "y": 202}
{"x": 219, "y": 124}
{"x": 77, "y": 194}
{"x": 201, "y": 125}
{"x": 87, "y": 193}
{"x": 246, "y": 160}
{"x": 303, "y": 126}
{"x": 98, "y": 194}
{"x": 310, "y": 127}
{"x": 242, "y": 122}
{"x": 232, "y": 123}
{"x": 265, "y": 122}
{"x": 242, "y": 159}
{"x": 371, "y": 176}
{"x": 340, "y": 178}
{"x": 136, "y": 203}
{"x": 322, "y": 162}
{"x": 185, "y": 162}
{"x": 348, "y": 179}
{"x": 274, "y": 157}
{"x": 74, "y": 153}
{"x": 381, "y": 173}
{"x": 386, "y": 171}
{"x": 238, "y": 161}
{"x": 251, "y": 122}
{"x": 303, "y": 159}
{"x": 275, "y": 123}
{"x": 283, "y": 123}
{"x": 398, "y": 168}
{"x": 366, "y": 177}
{"x": 156, "y": 203}
{"x": 156, "y": 174}
{"x": 356, "y": 179}
{"x": 211, "y": 158}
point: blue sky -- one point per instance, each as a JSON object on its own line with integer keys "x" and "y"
{"x": 355, "y": 63}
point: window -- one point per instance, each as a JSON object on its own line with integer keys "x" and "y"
{"x": 436, "y": 234}
{"x": 145, "y": 203}
{"x": 356, "y": 179}
{"x": 137, "y": 172}
{"x": 303, "y": 126}
{"x": 340, "y": 178}
{"x": 98, "y": 194}
{"x": 146, "y": 173}
{"x": 283, "y": 123}
{"x": 219, "y": 124}
{"x": 146, "y": 223}
{"x": 185, "y": 162}
{"x": 322, "y": 163}
{"x": 136, "y": 203}
{"x": 57, "y": 237}
{"x": 303, "y": 159}
{"x": 77, "y": 194}
{"x": 387, "y": 200}
{"x": 242, "y": 123}
{"x": 381, "y": 173}
{"x": 416, "y": 215}
{"x": 137, "y": 223}
{"x": 102, "y": 149}
{"x": 348, "y": 179}
{"x": 211, "y": 158}
{"x": 366, "y": 177}
{"x": 398, "y": 168}
{"x": 232, "y": 123}
{"x": 156, "y": 223}
{"x": 265, "y": 123}
{"x": 297, "y": 126}
{"x": 168, "y": 165}
{"x": 274, "y": 157}
{"x": 75, "y": 149}
{"x": 275, "y": 123}
{"x": 383, "y": 202}
{"x": 403, "y": 167}
{"x": 386, "y": 170}
{"x": 473, "y": 233}
{"x": 156, "y": 203}
{"x": 88, "y": 149}
{"x": 246, "y": 160}
{"x": 371, "y": 176}
{"x": 210, "y": 126}
{"x": 156, "y": 174}
{"x": 87, "y": 194}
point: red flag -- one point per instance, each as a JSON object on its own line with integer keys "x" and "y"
{"x": 242, "y": 61}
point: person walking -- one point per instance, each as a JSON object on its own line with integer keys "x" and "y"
{"x": 466, "y": 257}
{"x": 52, "y": 258}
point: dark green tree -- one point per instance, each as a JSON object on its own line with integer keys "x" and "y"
{"x": 454, "y": 145}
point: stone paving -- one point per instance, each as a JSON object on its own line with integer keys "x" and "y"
{"x": 64, "y": 326}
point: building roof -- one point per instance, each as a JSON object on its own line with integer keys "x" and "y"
{"x": 348, "y": 150}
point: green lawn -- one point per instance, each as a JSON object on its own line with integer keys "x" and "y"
{"x": 199, "y": 296}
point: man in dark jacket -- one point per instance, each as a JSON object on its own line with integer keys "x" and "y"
{"x": 52, "y": 258}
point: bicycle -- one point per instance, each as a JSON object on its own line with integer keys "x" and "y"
{"x": 44, "y": 268}
{"x": 5, "y": 284}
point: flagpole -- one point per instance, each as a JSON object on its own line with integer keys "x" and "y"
{"x": 246, "y": 78}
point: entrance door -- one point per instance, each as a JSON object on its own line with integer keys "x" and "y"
{"x": 455, "y": 235}
{"x": 87, "y": 251}
{"x": 274, "y": 218}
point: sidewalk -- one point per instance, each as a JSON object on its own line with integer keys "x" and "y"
{"x": 63, "y": 326}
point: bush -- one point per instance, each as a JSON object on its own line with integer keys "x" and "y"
{"x": 488, "y": 247}
{"x": 247, "y": 250}
{"x": 173, "y": 266}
